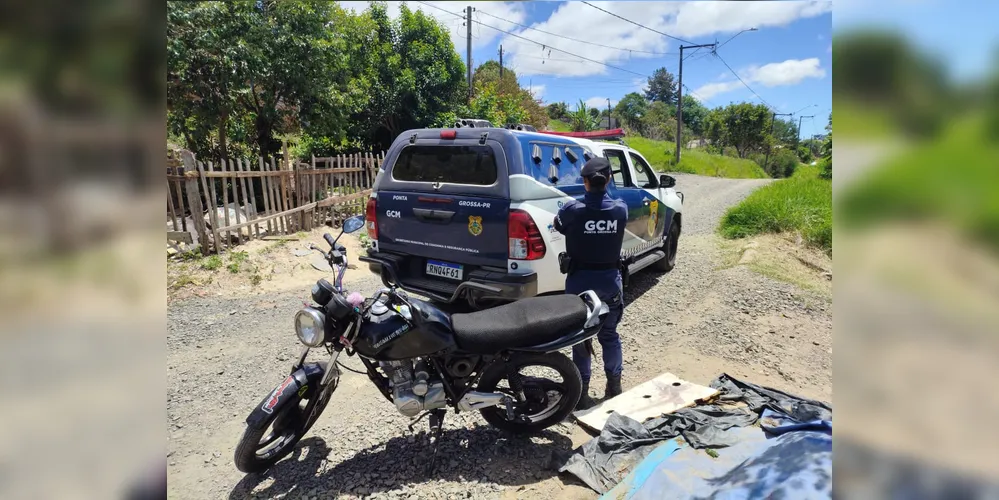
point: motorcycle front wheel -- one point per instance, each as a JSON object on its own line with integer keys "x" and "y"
{"x": 260, "y": 448}
{"x": 545, "y": 402}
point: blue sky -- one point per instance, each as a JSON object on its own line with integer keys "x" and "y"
{"x": 964, "y": 39}
{"x": 787, "y": 61}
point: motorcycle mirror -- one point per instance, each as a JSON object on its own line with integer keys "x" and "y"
{"x": 353, "y": 224}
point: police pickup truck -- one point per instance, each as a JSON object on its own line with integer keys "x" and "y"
{"x": 467, "y": 213}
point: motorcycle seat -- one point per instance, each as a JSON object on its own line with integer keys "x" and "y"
{"x": 524, "y": 323}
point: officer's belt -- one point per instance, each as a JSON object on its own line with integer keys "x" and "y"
{"x": 594, "y": 266}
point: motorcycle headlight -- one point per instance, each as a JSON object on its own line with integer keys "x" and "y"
{"x": 310, "y": 327}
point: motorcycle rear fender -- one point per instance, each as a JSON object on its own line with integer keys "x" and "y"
{"x": 301, "y": 381}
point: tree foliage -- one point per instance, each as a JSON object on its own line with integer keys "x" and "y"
{"x": 507, "y": 90}
{"x": 658, "y": 122}
{"x": 581, "y": 120}
{"x": 558, "y": 111}
{"x": 662, "y": 87}
{"x": 414, "y": 77}
{"x": 743, "y": 126}
{"x": 827, "y": 149}
{"x": 630, "y": 109}
{"x": 694, "y": 115}
{"x": 242, "y": 73}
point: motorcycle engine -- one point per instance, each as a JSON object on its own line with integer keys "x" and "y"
{"x": 412, "y": 389}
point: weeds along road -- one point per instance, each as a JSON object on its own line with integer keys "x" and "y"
{"x": 228, "y": 349}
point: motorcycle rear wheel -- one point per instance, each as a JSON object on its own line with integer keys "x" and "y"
{"x": 259, "y": 449}
{"x": 570, "y": 390}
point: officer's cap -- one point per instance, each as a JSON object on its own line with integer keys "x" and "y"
{"x": 596, "y": 167}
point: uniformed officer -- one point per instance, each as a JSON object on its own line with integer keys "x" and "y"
{"x": 594, "y": 232}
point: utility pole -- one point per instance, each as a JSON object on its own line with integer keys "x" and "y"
{"x": 797, "y": 139}
{"x": 501, "y": 63}
{"x": 608, "y": 114}
{"x": 679, "y": 96}
{"x": 468, "y": 24}
{"x": 766, "y": 160}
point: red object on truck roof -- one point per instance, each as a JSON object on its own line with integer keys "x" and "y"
{"x": 596, "y": 134}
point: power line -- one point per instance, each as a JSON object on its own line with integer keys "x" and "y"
{"x": 744, "y": 83}
{"x": 578, "y": 40}
{"x": 536, "y": 42}
{"x": 639, "y": 25}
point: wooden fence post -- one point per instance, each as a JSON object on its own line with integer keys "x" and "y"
{"x": 191, "y": 178}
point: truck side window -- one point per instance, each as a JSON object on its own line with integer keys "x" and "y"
{"x": 618, "y": 166}
{"x": 645, "y": 177}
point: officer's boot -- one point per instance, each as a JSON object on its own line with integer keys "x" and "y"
{"x": 613, "y": 386}
{"x": 585, "y": 401}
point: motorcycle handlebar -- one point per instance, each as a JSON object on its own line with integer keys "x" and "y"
{"x": 329, "y": 239}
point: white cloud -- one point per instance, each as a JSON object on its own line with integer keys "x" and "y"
{"x": 577, "y": 20}
{"x": 599, "y": 102}
{"x": 538, "y": 91}
{"x": 681, "y": 19}
{"x": 789, "y": 72}
{"x": 706, "y": 92}
{"x": 481, "y": 35}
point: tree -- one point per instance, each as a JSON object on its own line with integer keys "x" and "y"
{"x": 743, "y": 126}
{"x": 827, "y": 148}
{"x": 694, "y": 115}
{"x": 662, "y": 87}
{"x": 415, "y": 80}
{"x": 558, "y": 111}
{"x": 251, "y": 70}
{"x": 658, "y": 122}
{"x": 784, "y": 131}
{"x": 581, "y": 120}
{"x": 631, "y": 108}
{"x": 594, "y": 113}
{"x": 488, "y": 74}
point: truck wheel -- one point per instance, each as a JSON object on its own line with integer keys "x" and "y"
{"x": 669, "y": 247}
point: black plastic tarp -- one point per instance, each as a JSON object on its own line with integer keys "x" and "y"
{"x": 606, "y": 460}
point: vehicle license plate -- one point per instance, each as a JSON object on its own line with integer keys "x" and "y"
{"x": 444, "y": 269}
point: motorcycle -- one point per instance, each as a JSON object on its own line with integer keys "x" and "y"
{"x": 424, "y": 360}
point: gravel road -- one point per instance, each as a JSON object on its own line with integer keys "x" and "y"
{"x": 226, "y": 352}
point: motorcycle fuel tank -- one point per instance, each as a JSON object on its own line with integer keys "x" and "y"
{"x": 388, "y": 336}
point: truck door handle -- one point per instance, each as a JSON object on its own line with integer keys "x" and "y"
{"x": 430, "y": 215}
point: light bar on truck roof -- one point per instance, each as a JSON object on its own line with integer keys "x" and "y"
{"x": 612, "y": 134}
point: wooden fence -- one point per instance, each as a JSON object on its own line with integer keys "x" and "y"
{"x": 232, "y": 201}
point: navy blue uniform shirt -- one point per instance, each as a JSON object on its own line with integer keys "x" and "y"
{"x": 594, "y": 233}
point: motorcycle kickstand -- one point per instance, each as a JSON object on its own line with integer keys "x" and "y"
{"x": 436, "y": 430}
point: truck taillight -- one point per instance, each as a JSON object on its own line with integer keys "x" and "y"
{"x": 370, "y": 218}
{"x": 525, "y": 238}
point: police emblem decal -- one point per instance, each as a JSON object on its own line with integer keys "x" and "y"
{"x": 654, "y": 219}
{"x": 474, "y": 225}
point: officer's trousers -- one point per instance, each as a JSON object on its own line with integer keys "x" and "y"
{"x": 610, "y": 346}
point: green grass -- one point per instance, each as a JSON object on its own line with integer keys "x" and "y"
{"x": 801, "y": 204}
{"x": 559, "y": 126}
{"x": 953, "y": 180}
{"x": 211, "y": 263}
{"x": 856, "y": 120}
{"x": 660, "y": 156}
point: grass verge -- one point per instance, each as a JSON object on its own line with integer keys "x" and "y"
{"x": 800, "y": 204}
{"x": 952, "y": 180}
{"x": 660, "y": 156}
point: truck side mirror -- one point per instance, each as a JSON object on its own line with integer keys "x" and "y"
{"x": 666, "y": 181}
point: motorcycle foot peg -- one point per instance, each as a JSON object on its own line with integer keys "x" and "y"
{"x": 509, "y": 409}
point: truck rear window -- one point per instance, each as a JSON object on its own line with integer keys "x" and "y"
{"x": 474, "y": 165}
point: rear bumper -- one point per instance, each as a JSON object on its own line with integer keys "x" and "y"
{"x": 406, "y": 272}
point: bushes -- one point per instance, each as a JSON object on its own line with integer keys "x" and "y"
{"x": 801, "y": 203}
{"x": 783, "y": 163}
